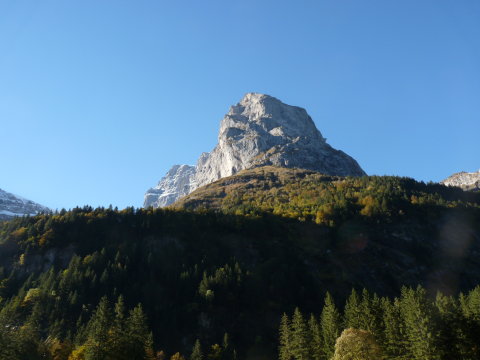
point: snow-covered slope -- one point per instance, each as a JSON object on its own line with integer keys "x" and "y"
{"x": 13, "y": 205}
{"x": 260, "y": 130}
{"x": 464, "y": 180}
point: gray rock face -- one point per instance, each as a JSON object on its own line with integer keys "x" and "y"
{"x": 175, "y": 184}
{"x": 261, "y": 130}
{"x": 12, "y": 205}
{"x": 464, "y": 180}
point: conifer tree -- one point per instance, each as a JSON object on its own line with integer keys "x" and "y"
{"x": 7, "y": 342}
{"x": 197, "y": 351}
{"x": 352, "y": 312}
{"x": 394, "y": 334}
{"x": 316, "y": 338}
{"x": 470, "y": 308}
{"x": 118, "y": 333}
{"x": 367, "y": 313}
{"x": 300, "y": 343}
{"x": 284, "y": 349}
{"x": 81, "y": 335}
{"x": 473, "y": 304}
{"x": 139, "y": 338}
{"x": 330, "y": 326}
{"x": 452, "y": 336}
{"x": 419, "y": 324}
{"x": 376, "y": 309}
{"x": 28, "y": 344}
{"x": 96, "y": 347}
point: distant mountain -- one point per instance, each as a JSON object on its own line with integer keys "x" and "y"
{"x": 464, "y": 180}
{"x": 259, "y": 131}
{"x": 13, "y": 205}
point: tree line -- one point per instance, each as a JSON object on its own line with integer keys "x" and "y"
{"x": 111, "y": 333}
{"x": 412, "y": 326}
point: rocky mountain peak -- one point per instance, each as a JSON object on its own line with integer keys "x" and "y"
{"x": 14, "y": 205}
{"x": 269, "y": 117}
{"x": 464, "y": 180}
{"x": 260, "y": 130}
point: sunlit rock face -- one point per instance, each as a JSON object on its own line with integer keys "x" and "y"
{"x": 464, "y": 180}
{"x": 175, "y": 184}
{"x": 13, "y": 205}
{"x": 260, "y": 130}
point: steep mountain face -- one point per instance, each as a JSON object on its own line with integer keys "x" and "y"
{"x": 261, "y": 130}
{"x": 12, "y": 205}
{"x": 176, "y": 183}
{"x": 464, "y": 180}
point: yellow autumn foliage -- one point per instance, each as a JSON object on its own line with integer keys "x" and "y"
{"x": 355, "y": 344}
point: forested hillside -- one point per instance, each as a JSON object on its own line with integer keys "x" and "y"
{"x": 225, "y": 264}
{"x": 308, "y": 195}
{"x": 412, "y": 326}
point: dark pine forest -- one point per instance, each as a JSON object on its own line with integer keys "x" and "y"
{"x": 271, "y": 263}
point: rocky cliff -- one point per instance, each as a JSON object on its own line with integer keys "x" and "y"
{"x": 464, "y": 180}
{"x": 175, "y": 184}
{"x": 13, "y": 205}
{"x": 260, "y": 130}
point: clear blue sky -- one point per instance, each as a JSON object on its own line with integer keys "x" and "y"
{"x": 99, "y": 98}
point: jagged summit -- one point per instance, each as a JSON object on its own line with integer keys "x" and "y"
{"x": 14, "y": 205}
{"x": 260, "y": 130}
{"x": 464, "y": 180}
{"x": 272, "y": 116}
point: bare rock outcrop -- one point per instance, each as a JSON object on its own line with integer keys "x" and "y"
{"x": 14, "y": 205}
{"x": 175, "y": 184}
{"x": 464, "y": 180}
{"x": 260, "y": 130}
